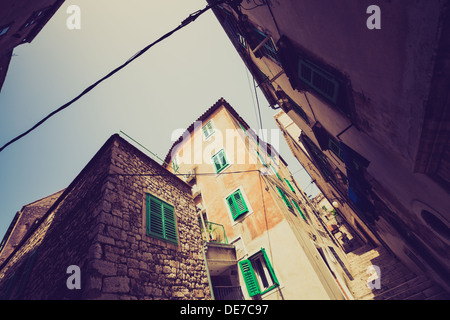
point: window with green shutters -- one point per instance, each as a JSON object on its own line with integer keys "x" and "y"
{"x": 161, "y": 222}
{"x": 220, "y": 161}
{"x": 237, "y": 204}
{"x": 336, "y": 148}
{"x": 208, "y": 129}
{"x": 318, "y": 79}
{"x": 285, "y": 199}
{"x": 290, "y": 185}
{"x": 298, "y": 209}
{"x": 258, "y": 274}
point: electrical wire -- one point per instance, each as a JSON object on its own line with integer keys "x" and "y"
{"x": 259, "y": 110}
{"x": 256, "y": 6}
{"x": 178, "y": 174}
{"x": 192, "y": 17}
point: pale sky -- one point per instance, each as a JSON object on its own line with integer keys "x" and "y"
{"x": 167, "y": 88}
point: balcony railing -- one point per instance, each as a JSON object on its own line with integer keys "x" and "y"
{"x": 213, "y": 232}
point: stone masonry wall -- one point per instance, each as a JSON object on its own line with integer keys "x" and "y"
{"x": 125, "y": 263}
{"x": 62, "y": 237}
{"x": 99, "y": 225}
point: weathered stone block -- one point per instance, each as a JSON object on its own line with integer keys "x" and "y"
{"x": 116, "y": 285}
{"x": 103, "y": 267}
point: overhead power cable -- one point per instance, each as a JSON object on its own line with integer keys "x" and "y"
{"x": 192, "y": 17}
{"x": 178, "y": 174}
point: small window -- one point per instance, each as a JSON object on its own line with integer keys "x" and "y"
{"x": 35, "y": 17}
{"x": 258, "y": 274}
{"x": 335, "y": 148}
{"x": 233, "y": 29}
{"x": 268, "y": 48}
{"x": 237, "y": 204}
{"x": 299, "y": 210}
{"x": 208, "y": 129}
{"x": 161, "y": 222}
{"x": 321, "y": 81}
{"x": 290, "y": 185}
{"x": 285, "y": 199}
{"x": 220, "y": 161}
{"x": 4, "y": 29}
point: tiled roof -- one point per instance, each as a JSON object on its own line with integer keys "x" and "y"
{"x": 221, "y": 102}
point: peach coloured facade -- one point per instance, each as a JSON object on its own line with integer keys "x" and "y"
{"x": 283, "y": 233}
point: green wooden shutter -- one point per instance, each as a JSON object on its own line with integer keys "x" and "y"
{"x": 240, "y": 202}
{"x": 208, "y": 129}
{"x": 289, "y": 184}
{"x": 285, "y": 199}
{"x": 318, "y": 79}
{"x": 269, "y": 266}
{"x": 298, "y": 209}
{"x": 223, "y": 160}
{"x": 155, "y": 217}
{"x": 249, "y": 278}
{"x": 216, "y": 161}
{"x": 220, "y": 161}
{"x": 237, "y": 204}
{"x": 335, "y": 148}
{"x": 161, "y": 221}
{"x": 170, "y": 230}
{"x": 233, "y": 209}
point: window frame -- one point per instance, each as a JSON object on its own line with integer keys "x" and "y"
{"x": 268, "y": 49}
{"x": 316, "y": 70}
{"x": 336, "y": 150}
{"x": 5, "y": 29}
{"x": 289, "y": 185}
{"x": 285, "y": 198}
{"x": 223, "y": 165}
{"x": 210, "y": 132}
{"x": 299, "y": 210}
{"x": 252, "y": 278}
{"x": 238, "y": 213}
{"x": 168, "y": 220}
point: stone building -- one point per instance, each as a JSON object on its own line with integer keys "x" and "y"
{"x": 372, "y": 107}
{"x": 127, "y": 223}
